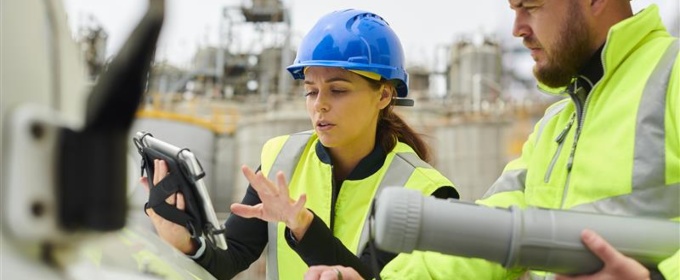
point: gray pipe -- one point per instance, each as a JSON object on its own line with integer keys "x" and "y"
{"x": 540, "y": 239}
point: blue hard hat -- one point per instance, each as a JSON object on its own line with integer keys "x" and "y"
{"x": 353, "y": 40}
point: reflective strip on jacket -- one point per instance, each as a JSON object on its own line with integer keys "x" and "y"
{"x": 295, "y": 154}
{"x": 627, "y": 160}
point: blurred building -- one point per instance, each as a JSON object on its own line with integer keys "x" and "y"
{"x": 474, "y": 72}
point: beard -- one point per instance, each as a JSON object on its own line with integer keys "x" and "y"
{"x": 569, "y": 52}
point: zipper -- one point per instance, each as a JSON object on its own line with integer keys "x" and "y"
{"x": 559, "y": 140}
{"x": 581, "y": 115}
{"x": 334, "y": 198}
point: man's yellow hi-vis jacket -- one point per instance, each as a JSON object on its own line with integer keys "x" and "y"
{"x": 621, "y": 156}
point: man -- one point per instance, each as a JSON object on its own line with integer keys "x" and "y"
{"x": 612, "y": 147}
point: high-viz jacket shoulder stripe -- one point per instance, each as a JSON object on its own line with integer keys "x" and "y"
{"x": 399, "y": 172}
{"x": 285, "y": 161}
{"x": 650, "y": 195}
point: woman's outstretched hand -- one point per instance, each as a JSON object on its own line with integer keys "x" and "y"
{"x": 178, "y": 236}
{"x": 276, "y": 206}
{"x": 336, "y": 272}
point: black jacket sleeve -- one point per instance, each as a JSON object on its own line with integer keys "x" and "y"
{"x": 319, "y": 247}
{"x": 246, "y": 239}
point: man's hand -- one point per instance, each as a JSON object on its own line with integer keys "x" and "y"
{"x": 616, "y": 265}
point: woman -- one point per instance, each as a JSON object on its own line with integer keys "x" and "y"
{"x": 352, "y": 66}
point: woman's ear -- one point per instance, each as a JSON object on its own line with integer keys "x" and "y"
{"x": 386, "y": 93}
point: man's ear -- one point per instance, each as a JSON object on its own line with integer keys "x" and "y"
{"x": 597, "y": 7}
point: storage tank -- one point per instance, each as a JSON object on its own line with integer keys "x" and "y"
{"x": 474, "y": 71}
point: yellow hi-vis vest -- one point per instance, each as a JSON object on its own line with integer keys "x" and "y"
{"x": 622, "y": 157}
{"x": 296, "y": 157}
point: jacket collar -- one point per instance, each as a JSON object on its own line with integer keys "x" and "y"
{"x": 366, "y": 167}
{"x": 626, "y": 35}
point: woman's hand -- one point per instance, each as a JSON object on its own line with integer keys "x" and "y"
{"x": 336, "y": 272}
{"x": 276, "y": 206}
{"x": 178, "y": 236}
{"x": 616, "y": 265}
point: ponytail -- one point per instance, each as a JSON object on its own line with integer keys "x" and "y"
{"x": 392, "y": 128}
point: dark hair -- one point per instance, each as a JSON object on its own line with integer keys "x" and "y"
{"x": 392, "y": 128}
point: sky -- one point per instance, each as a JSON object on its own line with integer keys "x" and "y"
{"x": 424, "y": 26}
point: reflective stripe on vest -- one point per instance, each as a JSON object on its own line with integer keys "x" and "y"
{"x": 286, "y": 161}
{"x": 398, "y": 173}
{"x": 650, "y": 196}
{"x": 512, "y": 180}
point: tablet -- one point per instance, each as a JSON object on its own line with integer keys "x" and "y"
{"x": 197, "y": 199}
